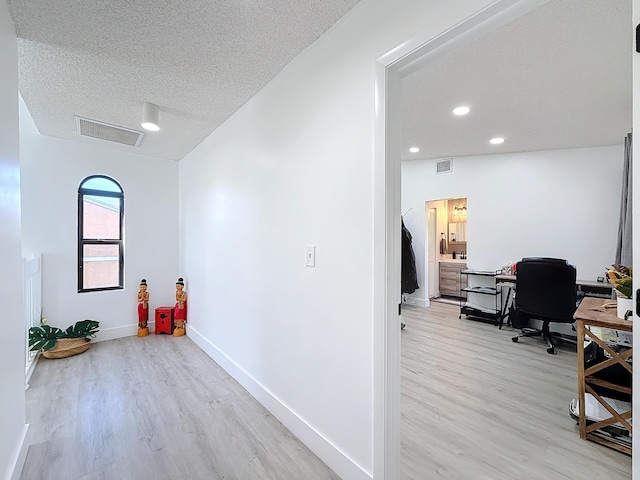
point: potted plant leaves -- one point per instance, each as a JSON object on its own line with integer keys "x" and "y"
{"x": 621, "y": 278}
{"x": 54, "y": 342}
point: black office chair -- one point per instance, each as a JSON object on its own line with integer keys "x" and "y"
{"x": 545, "y": 291}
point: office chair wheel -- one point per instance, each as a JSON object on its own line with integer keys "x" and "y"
{"x": 514, "y": 339}
{"x": 551, "y": 350}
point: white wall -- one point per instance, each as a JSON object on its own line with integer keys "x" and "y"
{"x": 294, "y": 167}
{"x": 12, "y": 358}
{"x": 561, "y": 203}
{"x": 52, "y": 170}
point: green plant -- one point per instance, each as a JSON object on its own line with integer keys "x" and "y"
{"x": 45, "y": 337}
{"x": 621, "y": 279}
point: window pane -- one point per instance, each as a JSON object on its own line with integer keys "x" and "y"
{"x": 100, "y": 183}
{"x": 101, "y": 217}
{"x": 100, "y": 266}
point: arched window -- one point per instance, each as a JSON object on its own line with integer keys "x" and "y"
{"x": 100, "y": 234}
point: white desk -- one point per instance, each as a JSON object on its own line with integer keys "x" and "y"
{"x": 589, "y": 287}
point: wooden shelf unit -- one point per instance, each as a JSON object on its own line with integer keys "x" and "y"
{"x": 591, "y": 314}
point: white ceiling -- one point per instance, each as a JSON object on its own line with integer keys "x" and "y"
{"x": 198, "y": 60}
{"x": 558, "y": 77}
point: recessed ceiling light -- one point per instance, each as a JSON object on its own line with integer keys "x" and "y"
{"x": 497, "y": 140}
{"x": 414, "y": 149}
{"x": 461, "y": 110}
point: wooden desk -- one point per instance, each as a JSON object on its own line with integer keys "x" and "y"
{"x": 589, "y": 313}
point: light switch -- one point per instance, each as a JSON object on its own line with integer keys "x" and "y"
{"x": 310, "y": 255}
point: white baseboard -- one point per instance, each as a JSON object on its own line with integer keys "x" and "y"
{"x": 32, "y": 367}
{"x": 339, "y": 462}
{"x": 422, "y": 302}
{"x": 120, "y": 332}
{"x": 17, "y": 461}
{"x": 416, "y": 301}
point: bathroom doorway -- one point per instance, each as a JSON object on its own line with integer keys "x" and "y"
{"x": 446, "y": 246}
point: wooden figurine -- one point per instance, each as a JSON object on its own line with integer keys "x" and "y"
{"x": 180, "y": 310}
{"x": 143, "y": 309}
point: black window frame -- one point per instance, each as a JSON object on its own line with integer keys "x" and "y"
{"x": 82, "y": 191}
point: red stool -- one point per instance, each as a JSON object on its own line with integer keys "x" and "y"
{"x": 164, "y": 320}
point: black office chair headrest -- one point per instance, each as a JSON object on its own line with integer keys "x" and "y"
{"x": 545, "y": 260}
{"x": 546, "y": 288}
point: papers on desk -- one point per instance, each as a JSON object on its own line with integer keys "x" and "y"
{"x": 612, "y": 337}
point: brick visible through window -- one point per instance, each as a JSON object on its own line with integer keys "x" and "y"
{"x": 100, "y": 234}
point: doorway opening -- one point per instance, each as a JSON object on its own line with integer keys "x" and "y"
{"x": 447, "y": 248}
{"x": 390, "y": 68}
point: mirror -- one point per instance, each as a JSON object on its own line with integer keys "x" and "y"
{"x": 458, "y": 232}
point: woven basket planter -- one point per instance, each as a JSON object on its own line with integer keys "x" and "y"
{"x": 67, "y": 347}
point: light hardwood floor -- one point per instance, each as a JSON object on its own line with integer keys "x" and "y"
{"x": 154, "y": 408}
{"x": 477, "y": 406}
{"x": 474, "y": 406}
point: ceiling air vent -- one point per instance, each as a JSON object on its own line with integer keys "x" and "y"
{"x": 444, "y": 166}
{"x": 112, "y": 133}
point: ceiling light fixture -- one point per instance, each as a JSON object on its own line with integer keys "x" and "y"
{"x": 496, "y": 140}
{"x": 414, "y": 149}
{"x": 462, "y": 110}
{"x": 150, "y": 113}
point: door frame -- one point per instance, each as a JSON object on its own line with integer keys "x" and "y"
{"x": 431, "y": 248}
{"x": 635, "y": 169}
{"x": 390, "y": 68}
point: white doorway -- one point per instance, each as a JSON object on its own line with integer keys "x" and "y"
{"x": 390, "y": 68}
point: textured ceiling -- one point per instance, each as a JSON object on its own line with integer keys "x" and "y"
{"x": 198, "y": 60}
{"x": 558, "y": 77}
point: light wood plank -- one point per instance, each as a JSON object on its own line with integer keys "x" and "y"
{"x": 155, "y": 407}
{"x": 475, "y": 405}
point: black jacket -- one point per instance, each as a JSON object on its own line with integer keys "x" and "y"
{"x": 409, "y": 274}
